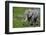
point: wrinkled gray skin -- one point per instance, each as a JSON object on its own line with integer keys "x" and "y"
{"x": 32, "y": 14}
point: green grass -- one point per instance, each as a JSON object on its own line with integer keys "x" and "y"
{"x": 18, "y": 21}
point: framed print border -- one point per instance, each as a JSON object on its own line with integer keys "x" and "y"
{"x": 7, "y": 17}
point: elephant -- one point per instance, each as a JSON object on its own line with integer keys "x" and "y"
{"x": 32, "y": 14}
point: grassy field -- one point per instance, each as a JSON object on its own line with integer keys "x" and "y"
{"x": 18, "y": 21}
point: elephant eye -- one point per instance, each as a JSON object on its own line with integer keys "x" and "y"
{"x": 28, "y": 11}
